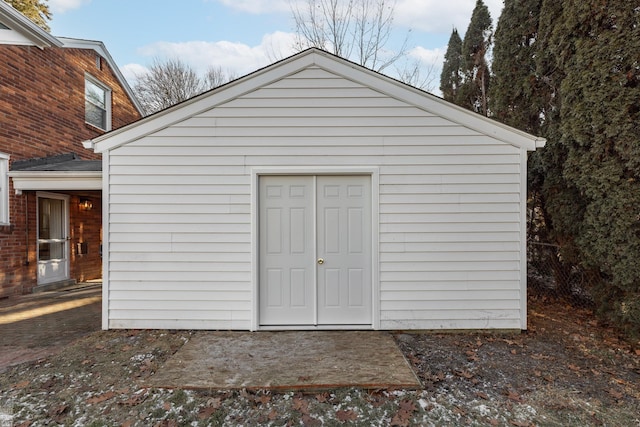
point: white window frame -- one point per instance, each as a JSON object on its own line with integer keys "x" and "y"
{"x": 4, "y": 189}
{"x": 107, "y": 101}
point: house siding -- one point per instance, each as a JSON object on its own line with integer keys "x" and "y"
{"x": 180, "y": 208}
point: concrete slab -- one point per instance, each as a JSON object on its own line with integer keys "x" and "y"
{"x": 291, "y": 360}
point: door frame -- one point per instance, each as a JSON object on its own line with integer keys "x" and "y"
{"x": 67, "y": 226}
{"x": 256, "y": 173}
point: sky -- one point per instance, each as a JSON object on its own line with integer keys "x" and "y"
{"x": 241, "y": 36}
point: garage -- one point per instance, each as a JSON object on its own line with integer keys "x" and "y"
{"x": 315, "y": 194}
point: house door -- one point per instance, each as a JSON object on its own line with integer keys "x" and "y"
{"x": 315, "y": 250}
{"x": 53, "y": 252}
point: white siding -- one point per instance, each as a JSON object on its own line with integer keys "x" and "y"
{"x": 180, "y": 252}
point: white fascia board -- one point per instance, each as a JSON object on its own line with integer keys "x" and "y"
{"x": 431, "y": 103}
{"x": 199, "y": 104}
{"x": 23, "y": 25}
{"x": 101, "y": 49}
{"x": 54, "y": 180}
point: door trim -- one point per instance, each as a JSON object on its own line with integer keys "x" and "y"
{"x": 374, "y": 174}
{"x": 67, "y": 226}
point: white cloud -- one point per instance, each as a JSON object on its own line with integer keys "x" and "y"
{"x": 235, "y": 57}
{"x": 428, "y": 56}
{"x": 438, "y": 16}
{"x": 257, "y": 7}
{"x": 61, "y": 6}
{"x": 430, "y": 61}
{"x": 131, "y": 71}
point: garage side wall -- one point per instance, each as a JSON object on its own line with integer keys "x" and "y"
{"x": 180, "y": 249}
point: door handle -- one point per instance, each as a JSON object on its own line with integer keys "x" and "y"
{"x": 320, "y": 261}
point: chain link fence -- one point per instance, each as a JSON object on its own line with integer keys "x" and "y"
{"x": 548, "y": 275}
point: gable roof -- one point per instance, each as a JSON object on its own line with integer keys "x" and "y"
{"x": 16, "y": 21}
{"x": 101, "y": 50}
{"x": 334, "y": 64}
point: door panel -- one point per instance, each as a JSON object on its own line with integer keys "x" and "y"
{"x": 303, "y": 219}
{"x": 344, "y": 243}
{"x": 286, "y": 251}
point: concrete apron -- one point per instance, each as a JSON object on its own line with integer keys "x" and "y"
{"x": 292, "y": 360}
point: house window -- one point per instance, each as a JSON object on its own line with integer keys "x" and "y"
{"x": 97, "y": 104}
{"x": 4, "y": 189}
{"x": 3, "y": 27}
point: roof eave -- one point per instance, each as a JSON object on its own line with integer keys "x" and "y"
{"x": 56, "y": 180}
{"x": 197, "y": 104}
{"x": 20, "y": 23}
{"x": 447, "y": 110}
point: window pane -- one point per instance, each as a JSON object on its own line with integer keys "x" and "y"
{"x": 94, "y": 94}
{"x": 95, "y": 115}
{"x": 50, "y": 250}
{"x": 96, "y": 104}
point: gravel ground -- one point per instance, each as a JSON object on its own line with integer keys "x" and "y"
{"x": 566, "y": 370}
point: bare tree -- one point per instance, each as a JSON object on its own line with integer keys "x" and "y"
{"x": 414, "y": 74}
{"x": 354, "y": 29}
{"x": 216, "y": 76}
{"x": 170, "y": 81}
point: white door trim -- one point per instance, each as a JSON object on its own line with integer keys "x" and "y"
{"x": 373, "y": 172}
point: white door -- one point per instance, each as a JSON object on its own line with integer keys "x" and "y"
{"x": 53, "y": 252}
{"x": 315, "y": 250}
{"x": 344, "y": 248}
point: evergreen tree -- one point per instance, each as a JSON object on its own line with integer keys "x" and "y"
{"x": 552, "y": 196}
{"x": 35, "y": 10}
{"x": 473, "y": 93}
{"x": 599, "y": 123}
{"x": 584, "y": 92}
{"x": 514, "y": 84}
{"x": 450, "y": 79}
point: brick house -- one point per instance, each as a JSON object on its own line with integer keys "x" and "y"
{"x": 54, "y": 93}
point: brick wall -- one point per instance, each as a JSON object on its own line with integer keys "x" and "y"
{"x": 42, "y": 114}
{"x": 86, "y": 228}
{"x": 14, "y": 269}
{"x": 42, "y": 101}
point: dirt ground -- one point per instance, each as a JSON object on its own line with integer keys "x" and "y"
{"x": 566, "y": 370}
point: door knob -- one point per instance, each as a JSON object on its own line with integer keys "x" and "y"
{"x": 320, "y": 261}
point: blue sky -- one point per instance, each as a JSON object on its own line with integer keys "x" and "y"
{"x": 239, "y": 35}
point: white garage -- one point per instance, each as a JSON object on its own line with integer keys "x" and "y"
{"x": 315, "y": 194}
